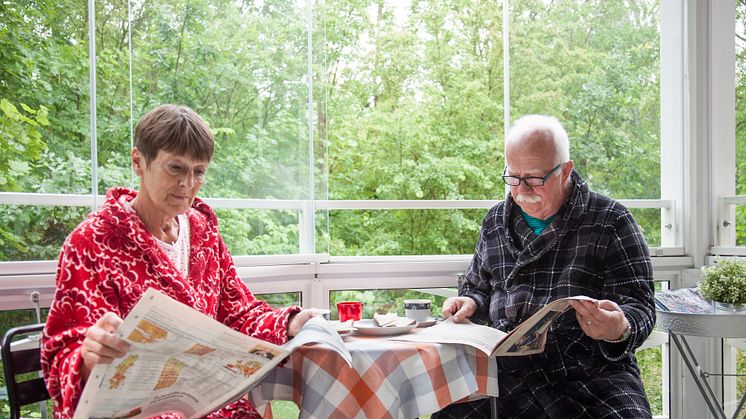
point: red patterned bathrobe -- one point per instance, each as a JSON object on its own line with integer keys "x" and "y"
{"x": 109, "y": 261}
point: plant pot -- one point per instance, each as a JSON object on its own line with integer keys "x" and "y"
{"x": 729, "y": 308}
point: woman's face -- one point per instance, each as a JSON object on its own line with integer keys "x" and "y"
{"x": 170, "y": 181}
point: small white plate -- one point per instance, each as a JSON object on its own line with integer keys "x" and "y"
{"x": 342, "y": 328}
{"x": 369, "y": 327}
{"x": 429, "y": 322}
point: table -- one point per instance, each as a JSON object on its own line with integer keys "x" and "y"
{"x": 388, "y": 379}
{"x": 714, "y": 325}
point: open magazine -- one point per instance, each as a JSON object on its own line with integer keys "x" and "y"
{"x": 181, "y": 360}
{"x": 526, "y": 339}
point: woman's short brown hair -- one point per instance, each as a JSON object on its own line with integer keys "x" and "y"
{"x": 174, "y": 129}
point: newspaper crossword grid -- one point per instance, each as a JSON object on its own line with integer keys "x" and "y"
{"x": 388, "y": 379}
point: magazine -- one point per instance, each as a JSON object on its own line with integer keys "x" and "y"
{"x": 526, "y": 339}
{"x": 181, "y": 360}
{"x": 683, "y": 300}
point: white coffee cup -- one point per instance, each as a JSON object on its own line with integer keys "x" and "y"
{"x": 417, "y": 310}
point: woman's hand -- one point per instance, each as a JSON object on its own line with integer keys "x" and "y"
{"x": 461, "y": 308}
{"x": 100, "y": 345}
{"x": 297, "y": 320}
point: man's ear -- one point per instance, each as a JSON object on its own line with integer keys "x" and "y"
{"x": 138, "y": 162}
{"x": 567, "y": 169}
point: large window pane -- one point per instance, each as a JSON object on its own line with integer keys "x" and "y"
{"x": 44, "y": 100}
{"x": 243, "y": 67}
{"x": 404, "y": 232}
{"x": 259, "y": 232}
{"x": 415, "y": 95}
{"x": 740, "y": 31}
{"x": 595, "y": 66}
{"x": 113, "y": 92}
{"x": 36, "y": 233}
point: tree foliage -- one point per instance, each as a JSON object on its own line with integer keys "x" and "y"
{"x": 408, "y": 102}
{"x": 740, "y": 118}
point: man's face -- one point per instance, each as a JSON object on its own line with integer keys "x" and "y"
{"x": 536, "y": 158}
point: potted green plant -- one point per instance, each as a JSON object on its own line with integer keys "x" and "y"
{"x": 724, "y": 283}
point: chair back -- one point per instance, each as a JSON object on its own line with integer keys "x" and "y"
{"x": 23, "y": 358}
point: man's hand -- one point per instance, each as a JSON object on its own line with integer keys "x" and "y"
{"x": 297, "y": 320}
{"x": 460, "y": 308}
{"x": 601, "y": 320}
{"x": 100, "y": 345}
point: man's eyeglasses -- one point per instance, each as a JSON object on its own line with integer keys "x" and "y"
{"x": 531, "y": 181}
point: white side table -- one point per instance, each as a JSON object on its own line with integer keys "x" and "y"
{"x": 715, "y": 325}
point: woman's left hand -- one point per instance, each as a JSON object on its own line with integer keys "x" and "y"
{"x": 297, "y": 320}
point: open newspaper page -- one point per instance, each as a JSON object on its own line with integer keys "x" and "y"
{"x": 183, "y": 361}
{"x": 481, "y": 337}
{"x": 526, "y": 339}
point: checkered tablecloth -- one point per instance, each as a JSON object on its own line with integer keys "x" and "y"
{"x": 388, "y": 379}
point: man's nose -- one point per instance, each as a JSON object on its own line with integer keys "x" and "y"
{"x": 523, "y": 187}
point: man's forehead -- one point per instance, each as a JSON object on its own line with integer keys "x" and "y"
{"x": 529, "y": 163}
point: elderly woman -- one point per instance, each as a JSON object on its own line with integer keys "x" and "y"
{"x": 161, "y": 237}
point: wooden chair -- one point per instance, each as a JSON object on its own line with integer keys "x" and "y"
{"x": 23, "y": 357}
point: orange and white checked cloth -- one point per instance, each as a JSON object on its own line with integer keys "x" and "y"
{"x": 388, "y": 379}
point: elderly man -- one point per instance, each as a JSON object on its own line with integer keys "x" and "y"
{"x": 552, "y": 238}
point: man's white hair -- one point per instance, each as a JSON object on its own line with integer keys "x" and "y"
{"x": 548, "y": 125}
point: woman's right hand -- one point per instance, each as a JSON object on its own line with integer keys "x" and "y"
{"x": 100, "y": 345}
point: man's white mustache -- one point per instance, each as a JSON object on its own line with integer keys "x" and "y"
{"x": 529, "y": 199}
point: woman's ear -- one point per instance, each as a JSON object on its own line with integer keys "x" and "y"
{"x": 138, "y": 161}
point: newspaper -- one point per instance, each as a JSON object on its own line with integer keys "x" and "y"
{"x": 528, "y": 338}
{"x": 683, "y": 300}
{"x": 181, "y": 360}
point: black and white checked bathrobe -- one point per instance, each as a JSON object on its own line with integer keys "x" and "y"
{"x": 593, "y": 247}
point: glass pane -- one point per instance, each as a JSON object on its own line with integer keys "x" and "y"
{"x": 741, "y": 120}
{"x": 243, "y": 67}
{"x": 595, "y": 66}
{"x": 650, "y": 362}
{"x": 44, "y": 100}
{"x": 415, "y": 99}
{"x": 404, "y": 232}
{"x": 284, "y": 299}
{"x": 259, "y": 232}
{"x": 36, "y": 233}
{"x": 383, "y": 301}
{"x": 113, "y": 93}
{"x": 741, "y": 369}
{"x": 649, "y": 220}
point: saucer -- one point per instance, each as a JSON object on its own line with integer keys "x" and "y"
{"x": 369, "y": 327}
{"x": 342, "y": 328}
